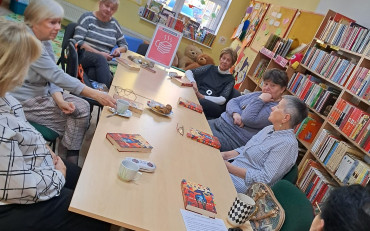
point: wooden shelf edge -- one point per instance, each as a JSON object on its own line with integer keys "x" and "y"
{"x": 350, "y": 140}
{"x": 334, "y": 47}
{"x": 323, "y": 77}
{"x": 328, "y": 171}
{"x": 357, "y": 97}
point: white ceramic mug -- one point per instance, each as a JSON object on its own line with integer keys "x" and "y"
{"x": 129, "y": 171}
{"x": 241, "y": 210}
{"x": 122, "y": 106}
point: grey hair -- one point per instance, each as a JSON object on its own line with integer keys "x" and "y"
{"x": 111, "y": 1}
{"x": 296, "y": 108}
{"x": 39, "y": 10}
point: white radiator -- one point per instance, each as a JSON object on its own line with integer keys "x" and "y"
{"x": 73, "y": 13}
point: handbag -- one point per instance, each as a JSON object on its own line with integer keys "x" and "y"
{"x": 269, "y": 215}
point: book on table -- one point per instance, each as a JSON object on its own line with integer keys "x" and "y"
{"x": 204, "y": 138}
{"x": 191, "y": 105}
{"x": 129, "y": 142}
{"x": 198, "y": 198}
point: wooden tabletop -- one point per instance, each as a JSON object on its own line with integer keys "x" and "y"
{"x": 154, "y": 201}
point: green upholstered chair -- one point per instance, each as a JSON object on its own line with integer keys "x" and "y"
{"x": 298, "y": 209}
{"x": 48, "y": 134}
{"x": 292, "y": 175}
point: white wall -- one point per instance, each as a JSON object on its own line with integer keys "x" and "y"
{"x": 358, "y": 10}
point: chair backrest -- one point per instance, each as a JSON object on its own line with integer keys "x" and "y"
{"x": 298, "y": 209}
{"x": 292, "y": 175}
{"x": 68, "y": 34}
{"x": 142, "y": 49}
{"x": 133, "y": 43}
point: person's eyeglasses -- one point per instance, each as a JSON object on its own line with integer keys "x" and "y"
{"x": 180, "y": 129}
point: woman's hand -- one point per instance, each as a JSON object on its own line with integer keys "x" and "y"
{"x": 66, "y": 107}
{"x": 266, "y": 97}
{"x": 238, "y": 119}
{"x": 106, "y": 55}
{"x": 105, "y": 99}
{"x": 229, "y": 154}
{"x": 116, "y": 53}
{"x": 195, "y": 87}
{"x": 59, "y": 165}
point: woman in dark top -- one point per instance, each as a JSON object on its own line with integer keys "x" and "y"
{"x": 213, "y": 84}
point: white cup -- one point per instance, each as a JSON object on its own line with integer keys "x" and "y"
{"x": 122, "y": 106}
{"x": 241, "y": 210}
{"x": 129, "y": 171}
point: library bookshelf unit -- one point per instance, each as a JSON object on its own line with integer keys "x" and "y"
{"x": 333, "y": 80}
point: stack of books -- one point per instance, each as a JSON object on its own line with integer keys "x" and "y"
{"x": 329, "y": 65}
{"x": 260, "y": 70}
{"x": 278, "y": 46}
{"x": 359, "y": 83}
{"x": 353, "y": 122}
{"x": 346, "y": 34}
{"x": 315, "y": 94}
{"x": 313, "y": 181}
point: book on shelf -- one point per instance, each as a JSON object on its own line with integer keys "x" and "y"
{"x": 308, "y": 128}
{"x": 129, "y": 142}
{"x": 343, "y": 148}
{"x": 203, "y": 138}
{"x": 191, "y": 105}
{"x": 350, "y": 169}
{"x": 134, "y": 106}
{"x": 198, "y": 198}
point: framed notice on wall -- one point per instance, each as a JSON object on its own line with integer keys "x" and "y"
{"x": 164, "y": 44}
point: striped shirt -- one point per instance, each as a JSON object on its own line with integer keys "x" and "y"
{"x": 27, "y": 173}
{"x": 267, "y": 156}
{"x": 102, "y": 36}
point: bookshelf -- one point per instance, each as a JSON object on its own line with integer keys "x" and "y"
{"x": 333, "y": 79}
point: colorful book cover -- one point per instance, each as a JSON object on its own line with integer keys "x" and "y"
{"x": 191, "y": 105}
{"x": 204, "y": 138}
{"x": 129, "y": 142}
{"x": 198, "y": 198}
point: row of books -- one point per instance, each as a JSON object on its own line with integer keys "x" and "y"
{"x": 359, "y": 84}
{"x": 341, "y": 159}
{"x": 315, "y": 94}
{"x": 182, "y": 23}
{"x": 278, "y": 45}
{"x": 329, "y": 65}
{"x": 314, "y": 182}
{"x": 344, "y": 34}
{"x": 260, "y": 69}
{"x": 352, "y": 121}
{"x": 308, "y": 128}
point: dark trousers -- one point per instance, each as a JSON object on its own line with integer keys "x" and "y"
{"x": 52, "y": 214}
{"x": 96, "y": 67}
{"x": 212, "y": 110}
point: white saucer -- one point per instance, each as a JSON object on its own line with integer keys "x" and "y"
{"x": 127, "y": 113}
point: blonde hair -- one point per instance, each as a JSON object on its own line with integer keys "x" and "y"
{"x": 39, "y": 10}
{"x": 18, "y": 49}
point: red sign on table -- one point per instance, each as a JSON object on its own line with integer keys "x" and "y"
{"x": 163, "y": 46}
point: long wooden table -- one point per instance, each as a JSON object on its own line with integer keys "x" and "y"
{"x": 154, "y": 201}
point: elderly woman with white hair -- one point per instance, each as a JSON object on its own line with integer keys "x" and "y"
{"x": 42, "y": 95}
{"x": 36, "y": 187}
{"x": 98, "y": 33}
{"x": 272, "y": 152}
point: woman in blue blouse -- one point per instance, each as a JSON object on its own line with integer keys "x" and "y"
{"x": 272, "y": 152}
{"x": 247, "y": 114}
